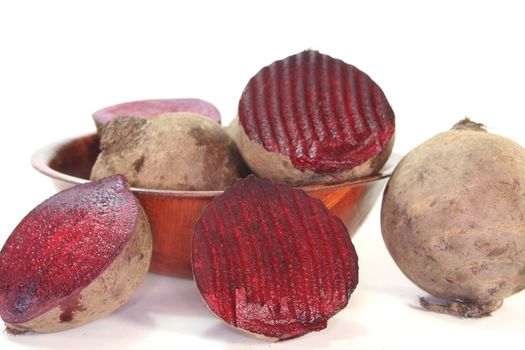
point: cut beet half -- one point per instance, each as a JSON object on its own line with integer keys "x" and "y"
{"x": 321, "y": 113}
{"x": 152, "y": 108}
{"x": 272, "y": 261}
{"x": 78, "y": 255}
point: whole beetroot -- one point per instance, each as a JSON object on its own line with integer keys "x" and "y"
{"x": 174, "y": 151}
{"x": 453, "y": 219}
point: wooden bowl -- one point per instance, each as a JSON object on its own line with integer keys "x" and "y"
{"x": 172, "y": 214}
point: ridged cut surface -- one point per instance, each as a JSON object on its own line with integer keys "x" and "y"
{"x": 271, "y": 260}
{"x": 63, "y": 245}
{"x": 323, "y": 113}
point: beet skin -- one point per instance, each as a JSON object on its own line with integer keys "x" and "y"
{"x": 453, "y": 219}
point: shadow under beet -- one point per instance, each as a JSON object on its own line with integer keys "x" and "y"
{"x": 164, "y": 296}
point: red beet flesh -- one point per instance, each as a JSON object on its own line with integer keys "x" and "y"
{"x": 322, "y": 113}
{"x": 152, "y": 108}
{"x": 62, "y": 245}
{"x": 271, "y": 260}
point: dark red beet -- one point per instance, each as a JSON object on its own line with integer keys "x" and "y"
{"x": 152, "y": 108}
{"x": 272, "y": 261}
{"x": 63, "y": 245}
{"x": 322, "y": 113}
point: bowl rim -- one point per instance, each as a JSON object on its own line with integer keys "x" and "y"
{"x": 41, "y": 158}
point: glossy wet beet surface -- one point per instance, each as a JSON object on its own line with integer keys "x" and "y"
{"x": 63, "y": 245}
{"x": 322, "y": 113}
{"x": 271, "y": 260}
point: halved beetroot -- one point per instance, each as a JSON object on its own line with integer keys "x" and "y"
{"x": 78, "y": 255}
{"x": 272, "y": 261}
{"x": 152, "y": 108}
{"x": 313, "y": 118}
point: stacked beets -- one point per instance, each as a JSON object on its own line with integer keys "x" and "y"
{"x": 267, "y": 258}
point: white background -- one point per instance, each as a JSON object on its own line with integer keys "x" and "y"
{"x": 62, "y": 60}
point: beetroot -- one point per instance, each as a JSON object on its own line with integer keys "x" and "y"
{"x": 152, "y": 108}
{"x": 175, "y": 151}
{"x": 326, "y": 119}
{"x": 75, "y": 257}
{"x": 453, "y": 219}
{"x": 272, "y": 261}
